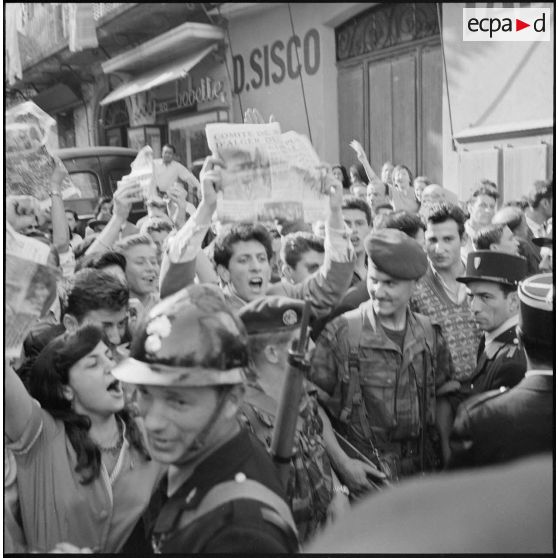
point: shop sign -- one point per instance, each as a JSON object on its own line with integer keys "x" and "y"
{"x": 208, "y": 90}
{"x": 272, "y": 63}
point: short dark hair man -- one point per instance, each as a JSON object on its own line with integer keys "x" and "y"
{"x": 95, "y": 297}
{"x": 540, "y": 207}
{"x": 491, "y": 279}
{"x": 302, "y": 254}
{"x": 481, "y": 206}
{"x": 440, "y": 296}
{"x": 358, "y": 217}
{"x": 496, "y": 237}
{"x": 222, "y": 492}
{"x": 502, "y": 425}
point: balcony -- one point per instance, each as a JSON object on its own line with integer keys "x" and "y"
{"x": 44, "y": 34}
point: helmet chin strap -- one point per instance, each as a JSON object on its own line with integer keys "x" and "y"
{"x": 199, "y": 441}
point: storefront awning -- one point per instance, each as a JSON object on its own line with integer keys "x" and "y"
{"x": 186, "y": 38}
{"x": 162, "y": 74}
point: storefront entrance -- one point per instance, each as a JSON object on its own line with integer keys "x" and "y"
{"x": 390, "y": 87}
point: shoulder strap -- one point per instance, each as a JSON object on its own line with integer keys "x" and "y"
{"x": 232, "y": 490}
{"x": 354, "y": 393}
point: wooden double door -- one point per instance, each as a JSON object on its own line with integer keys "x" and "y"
{"x": 392, "y": 103}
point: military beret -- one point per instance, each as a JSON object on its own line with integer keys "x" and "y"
{"x": 494, "y": 267}
{"x": 271, "y": 313}
{"x": 536, "y": 305}
{"x": 395, "y": 253}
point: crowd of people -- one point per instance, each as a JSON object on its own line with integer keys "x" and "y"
{"x": 142, "y": 412}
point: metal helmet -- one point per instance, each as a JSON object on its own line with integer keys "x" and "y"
{"x": 190, "y": 339}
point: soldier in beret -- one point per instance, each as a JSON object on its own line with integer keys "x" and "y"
{"x": 222, "y": 492}
{"x": 382, "y": 369}
{"x": 313, "y": 490}
{"x": 505, "y": 424}
{"x": 491, "y": 279}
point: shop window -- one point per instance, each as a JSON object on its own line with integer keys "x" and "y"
{"x": 115, "y": 122}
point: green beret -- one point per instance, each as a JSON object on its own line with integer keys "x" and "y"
{"x": 271, "y": 313}
{"x": 393, "y": 252}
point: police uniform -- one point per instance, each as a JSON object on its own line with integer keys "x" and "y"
{"x": 500, "y": 363}
{"x": 505, "y": 424}
{"x": 309, "y": 486}
{"x": 395, "y": 411}
{"x": 228, "y": 498}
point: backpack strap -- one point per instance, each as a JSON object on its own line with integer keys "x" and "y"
{"x": 222, "y": 493}
{"x": 353, "y": 395}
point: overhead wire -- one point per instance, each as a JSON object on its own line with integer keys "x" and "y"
{"x": 438, "y": 11}
{"x": 300, "y": 74}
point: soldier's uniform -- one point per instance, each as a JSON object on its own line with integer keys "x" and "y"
{"x": 309, "y": 487}
{"x": 500, "y": 363}
{"x": 392, "y": 406}
{"x": 220, "y": 496}
{"x": 505, "y": 424}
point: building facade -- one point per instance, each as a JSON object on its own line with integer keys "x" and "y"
{"x": 396, "y": 77}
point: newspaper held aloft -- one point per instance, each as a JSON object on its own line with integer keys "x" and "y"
{"x": 268, "y": 174}
{"x": 142, "y": 172}
{"x": 30, "y": 288}
{"x": 29, "y": 163}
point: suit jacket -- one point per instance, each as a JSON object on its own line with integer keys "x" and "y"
{"x": 505, "y": 424}
{"x": 501, "y": 364}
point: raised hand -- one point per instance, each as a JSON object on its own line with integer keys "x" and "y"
{"x": 359, "y": 150}
{"x": 211, "y": 180}
{"x": 361, "y": 156}
{"x": 124, "y": 196}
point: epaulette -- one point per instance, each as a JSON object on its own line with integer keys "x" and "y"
{"x": 482, "y": 398}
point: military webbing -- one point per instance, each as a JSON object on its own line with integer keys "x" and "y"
{"x": 354, "y": 393}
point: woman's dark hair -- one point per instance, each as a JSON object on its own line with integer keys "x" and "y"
{"x": 358, "y": 169}
{"x": 346, "y": 179}
{"x": 50, "y": 373}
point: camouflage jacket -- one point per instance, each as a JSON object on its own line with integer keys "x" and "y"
{"x": 310, "y": 486}
{"x": 391, "y": 380}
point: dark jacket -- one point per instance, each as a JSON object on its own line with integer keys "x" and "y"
{"x": 502, "y": 364}
{"x": 236, "y": 527}
{"x": 502, "y": 425}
